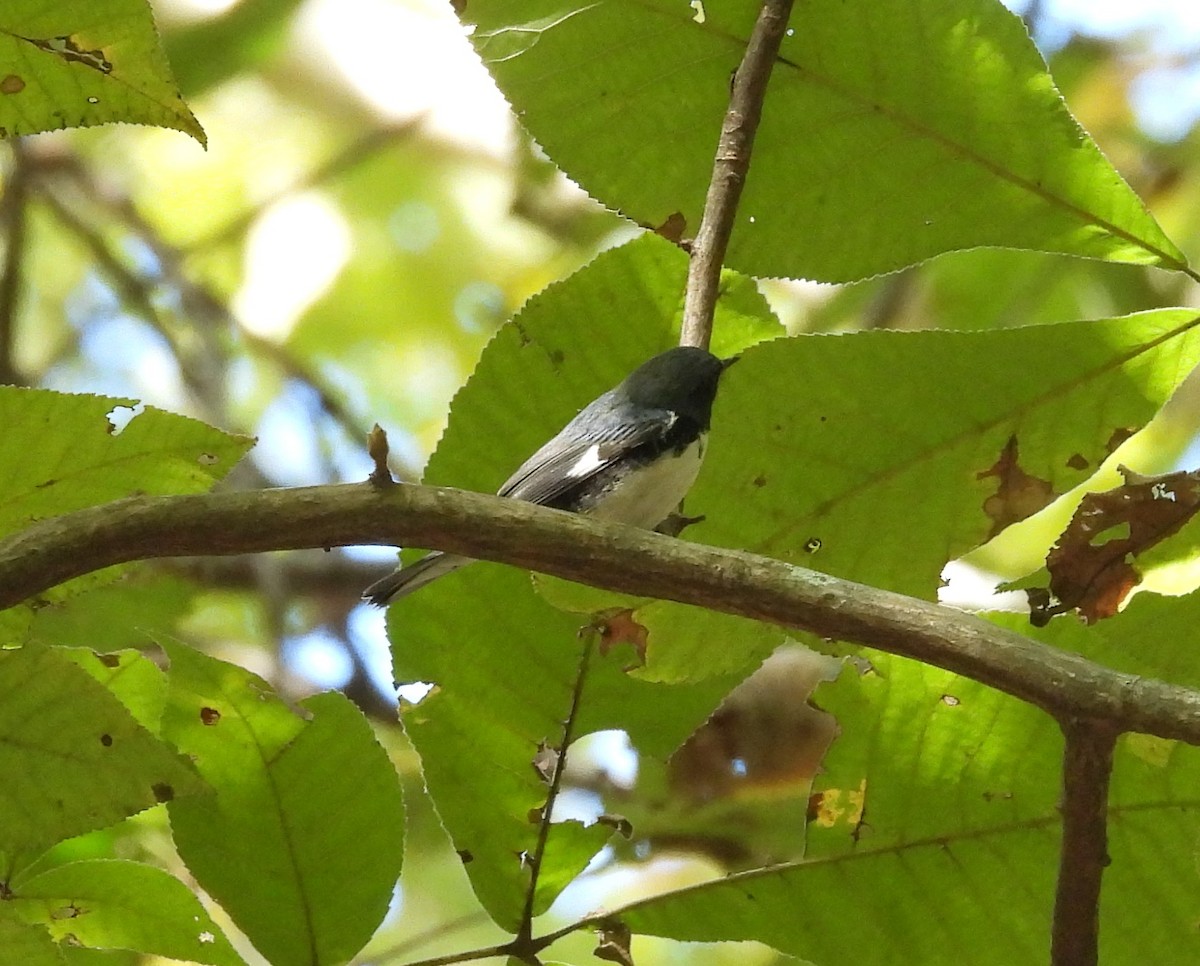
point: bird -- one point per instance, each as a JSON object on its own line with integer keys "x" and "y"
{"x": 630, "y": 456}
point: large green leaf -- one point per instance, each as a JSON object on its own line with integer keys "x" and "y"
{"x": 82, "y": 759}
{"x": 935, "y": 839}
{"x": 124, "y": 905}
{"x": 301, "y": 840}
{"x": 506, "y": 667}
{"x": 61, "y": 452}
{"x": 76, "y": 63}
{"x": 880, "y": 456}
{"x": 26, "y": 944}
{"x": 889, "y": 135}
{"x": 505, "y": 663}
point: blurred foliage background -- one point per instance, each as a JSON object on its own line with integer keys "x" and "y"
{"x": 366, "y": 215}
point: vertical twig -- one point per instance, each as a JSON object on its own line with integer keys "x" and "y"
{"x": 1087, "y": 766}
{"x": 523, "y": 945}
{"x": 730, "y": 168}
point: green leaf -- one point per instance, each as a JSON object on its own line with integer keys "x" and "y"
{"x": 879, "y": 456}
{"x": 984, "y": 900}
{"x": 628, "y": 97}
{"x": 77, "y": 63}
{"x": 943, "y": 794}
{"x": 26, "y": 944}
{"x": 62, "y": 453}
{"x": 301, "y": 841}
{"x": 135, "y": 680}
{"x": 482, "y": 631}
{"x": 85, "y": 761}
{"x": 506, "y": 666}
{"x": 124, "y": 905}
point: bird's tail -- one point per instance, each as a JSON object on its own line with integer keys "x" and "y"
{"x": 402, "y": 582}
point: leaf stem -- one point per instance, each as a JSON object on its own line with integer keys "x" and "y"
{"x": 731, "y": 166}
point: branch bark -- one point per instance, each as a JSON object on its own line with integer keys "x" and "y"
{"x": 604, "y": 555}
{"x": 1087, "y": 767}
{"x": 730, "y": 169}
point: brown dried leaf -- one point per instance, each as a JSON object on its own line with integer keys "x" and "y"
{"x": 614, "y": 942}
{"x": 1091, "y": 565}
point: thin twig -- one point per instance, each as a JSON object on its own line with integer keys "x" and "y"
{"x": 601, "y": 554}
{"x": 487, "y": 952}
{"x": 13, "y": 221}
{"x": 1087, "y": 766}
{"x": 730, "y": 168}
{"x": 438, "y": 931}
{"x": 523, "y": 945}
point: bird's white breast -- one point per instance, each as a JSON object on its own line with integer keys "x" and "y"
{"x": 652, "y": 493}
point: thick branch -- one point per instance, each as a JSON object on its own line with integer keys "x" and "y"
{"x": 730, "y": 168}
{"x": 1087, "y": 766}
{"x": 605, "y": 555}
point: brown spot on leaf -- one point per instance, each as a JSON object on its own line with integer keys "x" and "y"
{"x": 759, "y": 481}
{"x": 619, "y": 627}
{"x": 163, "y": 792}
{"x": 106, "y": 740}
{"x": 1078, "y": 462}
{"x": 1119, "y": 435}
{"x": 1018, "y": 494}
{"x": 1091, "y": 564}
{"x": 673, "y": 228}
{"x": 209, "y": 716}
{"x": 812, "y": 544}
{"x": 69, "y": 911}
{"x": 465, "y": 856}
{"x": 838, "y": 806}
{"x": 12, "y": 84}
{"x": 950, "y": 701}
{"x": 109, "y": 660}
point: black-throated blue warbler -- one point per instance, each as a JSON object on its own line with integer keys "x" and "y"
{"x": 630, "y": 456}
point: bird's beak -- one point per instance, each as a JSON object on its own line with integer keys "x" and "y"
{"x": 726, "y": 363}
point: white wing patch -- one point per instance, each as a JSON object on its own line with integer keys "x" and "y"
{"x": 588, "y": 463}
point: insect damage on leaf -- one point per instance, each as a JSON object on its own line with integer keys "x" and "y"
{"x": 618, "y": 627}
{"x": 1090, "y": 565}
{"x": 70, "y": 49}
{"x": 838, "y": 806}
{"x": 1018, "y": 494}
